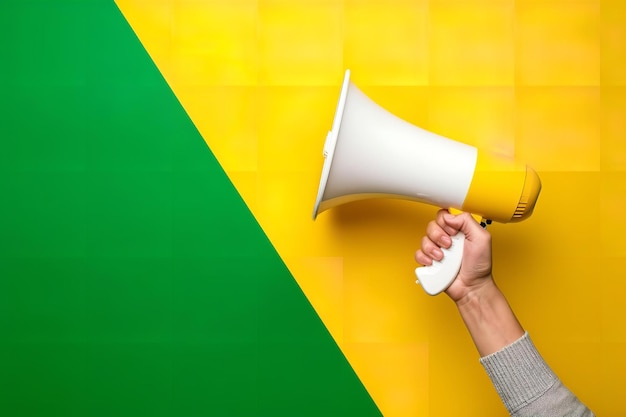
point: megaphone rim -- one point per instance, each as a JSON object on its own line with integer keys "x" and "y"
{"x": 331, "y": 142}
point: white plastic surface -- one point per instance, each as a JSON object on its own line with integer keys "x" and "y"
{"x": 437, "y": 277}
{"x": 331, "y": 142}
{"x": 370, "y": 152}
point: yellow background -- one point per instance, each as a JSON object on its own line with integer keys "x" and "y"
{"x": 543, "y": 80}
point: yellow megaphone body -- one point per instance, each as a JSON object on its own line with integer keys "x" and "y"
{"x": 370, "y": 153}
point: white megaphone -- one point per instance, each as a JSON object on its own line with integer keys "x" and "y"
{"x": 369, "y": 153}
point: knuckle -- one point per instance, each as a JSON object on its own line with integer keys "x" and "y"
{"x": 435, "y": 232}
{"x": 421, "y": 258}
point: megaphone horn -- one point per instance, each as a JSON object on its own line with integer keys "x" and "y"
{"x": 371, "y": 153}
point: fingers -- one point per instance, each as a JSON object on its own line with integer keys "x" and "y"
{"x": 463, "y": 222}
{"x": 441, "y": 220}
{"x": 445, "y": 226}
{"x": 428, "y": 253}
{"x": 439, "y": 234}
{"x": 435, "y": 239}
{"x": 422, "y": 259}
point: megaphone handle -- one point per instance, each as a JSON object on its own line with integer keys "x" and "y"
{"x": 437, "y": 277}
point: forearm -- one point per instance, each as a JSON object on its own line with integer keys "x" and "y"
{"x": 489, "y": 319}
{"x": 525, "y": 383}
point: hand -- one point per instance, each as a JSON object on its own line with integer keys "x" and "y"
{"x": 475, "y": 270}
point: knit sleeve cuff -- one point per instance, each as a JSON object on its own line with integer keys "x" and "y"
{"x": 519, "y": 373}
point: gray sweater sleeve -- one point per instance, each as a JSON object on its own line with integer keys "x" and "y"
{"x": 527, "y": 385}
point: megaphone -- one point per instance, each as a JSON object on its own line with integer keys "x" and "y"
{"x": 371, "y": 153}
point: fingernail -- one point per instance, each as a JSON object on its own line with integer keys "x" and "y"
{"x": 446, "y": 240}
{"x": 438, "y": 252}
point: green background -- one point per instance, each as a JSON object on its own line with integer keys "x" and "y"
{"x": 133, "y": 278}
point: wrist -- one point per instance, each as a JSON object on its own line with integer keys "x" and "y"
{"x": 489, "y": 318}
{"x": 477, "y": 293}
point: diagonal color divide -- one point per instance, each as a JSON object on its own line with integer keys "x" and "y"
{"x": 260, "y": 80}
{"x": 262, "y": 100}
